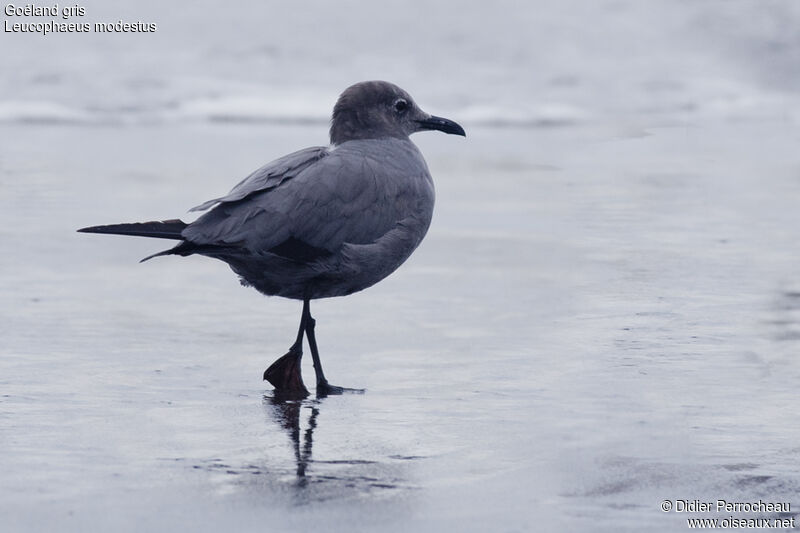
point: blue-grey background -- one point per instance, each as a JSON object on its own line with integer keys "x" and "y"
{"x": 604, "y": 315}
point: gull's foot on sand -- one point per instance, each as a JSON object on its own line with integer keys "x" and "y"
{"x": 326, "y": 389}
{"x": 284, "y": 374}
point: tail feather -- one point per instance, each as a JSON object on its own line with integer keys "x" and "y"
{"x": 165, "y": 229}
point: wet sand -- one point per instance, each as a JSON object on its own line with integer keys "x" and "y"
{"x": 595, "y": 323}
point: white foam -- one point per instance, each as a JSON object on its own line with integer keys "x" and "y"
{"x": 248, "y": 108}
{"x": 539, "y": 115}
{"x": 40, "y": 111}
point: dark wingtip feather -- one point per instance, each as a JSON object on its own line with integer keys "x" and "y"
{"x": 164, "y": 229}
{"x": 182, "y": 248}
{"x": 159, "y": 254}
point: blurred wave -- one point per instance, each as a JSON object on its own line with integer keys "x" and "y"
{"x": 502, "y": 65}
{"x": 251, "y": 109}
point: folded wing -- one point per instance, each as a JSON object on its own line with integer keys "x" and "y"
{"x": 270, "y": 175}
{"x": 333, "y": 198}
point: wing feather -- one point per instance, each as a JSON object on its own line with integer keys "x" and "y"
{"x": 269, "y": 176}
{"x": 349, "y": 195}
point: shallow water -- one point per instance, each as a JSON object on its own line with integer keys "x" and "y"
{"x": 604, "y": 315}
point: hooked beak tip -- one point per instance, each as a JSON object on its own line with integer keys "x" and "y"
{"x": 442, "y": 124}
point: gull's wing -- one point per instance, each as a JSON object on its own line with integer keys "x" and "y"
{"x": 351, "y": 195}
{"x": 270, "y": 175}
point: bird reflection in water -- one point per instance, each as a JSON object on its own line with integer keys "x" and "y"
{"x": 286, "y": 411}
{"x": 325, "y": 478}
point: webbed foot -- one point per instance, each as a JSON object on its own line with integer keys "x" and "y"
{"x": 326, "y": 389}
{"x": 284, "y": 374}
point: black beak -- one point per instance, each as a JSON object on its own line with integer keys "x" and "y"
{"x": 441, "y": 124}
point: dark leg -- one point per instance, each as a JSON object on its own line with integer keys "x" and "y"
{"x": 323, "y": 387}
{"x": 284, "y": 374}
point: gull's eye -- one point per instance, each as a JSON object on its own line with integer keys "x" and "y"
{"x": 400, "y": 105}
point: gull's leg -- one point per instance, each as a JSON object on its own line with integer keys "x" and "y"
{"x": 284, "y": 374}
{"x": 323, "y": 387}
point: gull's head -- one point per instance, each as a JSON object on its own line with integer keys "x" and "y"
{"x": 379, "y": 109}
